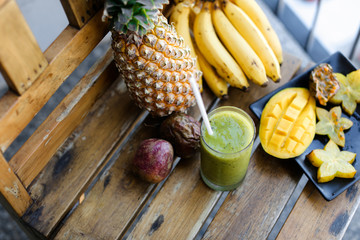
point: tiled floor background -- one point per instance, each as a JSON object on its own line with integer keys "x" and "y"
{"x": 52, "y": 12}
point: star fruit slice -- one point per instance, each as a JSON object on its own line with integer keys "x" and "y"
{"x": 332, "y": 124}
{"x": 332, "y": 162}
{"x": 349, "y": 92}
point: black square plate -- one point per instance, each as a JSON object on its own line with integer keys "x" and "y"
{"x": 333, "y": 188}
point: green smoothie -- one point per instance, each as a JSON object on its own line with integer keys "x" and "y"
{"x": 225, "y": 155}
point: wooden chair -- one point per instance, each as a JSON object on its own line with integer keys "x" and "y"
{"x": 71, "y": 179}
{"x": 67, "y": 147}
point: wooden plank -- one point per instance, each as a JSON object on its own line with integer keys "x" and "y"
{"x": 12, "y": 189}
{"x": 315, "y": 218}
{"x": 17, "y": 112}
{"x": 79, "y": 12}
{"x": 246, "y": 215}
{"x": 18, "y": 49}
{"x": 182, "y": 195}
{"x": 119, "y": 193}
{"x": 41, "y": 146}
{"x": 115, "y": 199}
{"x": 79, "y": 159}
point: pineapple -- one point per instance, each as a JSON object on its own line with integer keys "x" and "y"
{"x": 150, "y": 56}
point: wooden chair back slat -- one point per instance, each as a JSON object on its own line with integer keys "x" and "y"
{"x": 43, "y": 144}
{"x": 12, "y": 189}
{"x": 79, "y": 12}
{"x": 68, "y": 55}
{"x": 21, "y": 59}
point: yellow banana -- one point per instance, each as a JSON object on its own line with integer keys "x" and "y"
{"x": 254, "y": 11}
{"x": 213, "y": 50}
{"x": 180, "y": 18}
{"x": 217, "y": 85}
{"x": 253, "y": 37}
{"x": 245, "y": 56}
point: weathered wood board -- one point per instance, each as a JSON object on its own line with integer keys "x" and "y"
{"x": 79, "y": 12}
{"x": 42, "y": 145}
{"x": 118, "y": 193}
{"x": 12, "y": 189}
{"x": 18, "y": 49}
{"x": 183, "y": 193}
{"x": 310, "y": 217}
{"x": 80, "y": 158}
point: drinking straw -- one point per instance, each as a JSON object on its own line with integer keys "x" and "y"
{"x": 200, "y": 104}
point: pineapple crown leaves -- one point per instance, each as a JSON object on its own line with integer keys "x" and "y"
{"x": 134, "y": 15}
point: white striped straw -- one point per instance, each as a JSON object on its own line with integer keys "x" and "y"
{"x": 200, "y": 104}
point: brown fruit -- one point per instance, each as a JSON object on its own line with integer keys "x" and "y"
{"x": 153, "y": 160}
{"x": 183, "y": 132}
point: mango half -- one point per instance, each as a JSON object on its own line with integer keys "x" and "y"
{"x": 287, "y": 123}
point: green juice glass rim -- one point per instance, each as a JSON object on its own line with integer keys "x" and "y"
{"x": 235, "y": 109}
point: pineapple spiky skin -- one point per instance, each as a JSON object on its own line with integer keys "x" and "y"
{"x": 156, "y": 68}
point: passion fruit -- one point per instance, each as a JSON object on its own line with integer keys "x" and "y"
{"x": 153, "y": 160}
{"x": 183, "y": 132}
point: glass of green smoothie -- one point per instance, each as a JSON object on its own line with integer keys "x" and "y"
{"x": 225, "y": 155}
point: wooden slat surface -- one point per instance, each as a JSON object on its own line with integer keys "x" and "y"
{"x": 12, "y": 189}
{"x": 70, "y": 171}
{"x": 18, "y": 49}
{"x": 315, "y": 218}
{"x": 79, "y": 12}
{"x": 41, "y": 146}
{"x": 272, "y": 179}
{"x": 118, "y": 193}
{"x": 191, "y": 193}
{"x": 182, "y": 194}
{"x": 17, "y": 112}
{"x": 251, "y": 211}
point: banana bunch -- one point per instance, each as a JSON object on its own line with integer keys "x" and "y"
{"x": 232, "y": 40}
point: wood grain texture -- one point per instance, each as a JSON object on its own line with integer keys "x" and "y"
{"x": 184, "y": 202}
{"x": 17, "y": 112}
{"x": 182, "y": 195}
{"x": 119, "y": 193}
{"x": 272, "y": 179}
{"x": 79, "y": 12}
{"x": 12, "y": 189}
{"x": 180, "y": 208}
{"x": 18, "y": 49}
{"x": 80, "y": 158}
{"x": 115, "y": 199}
{"x": 41, "y": 146}
{"x": 315, "y": 218}
{"x": 251, "y": 210}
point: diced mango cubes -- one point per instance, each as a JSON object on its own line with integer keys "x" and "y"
{"x": 287, "y": 124}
